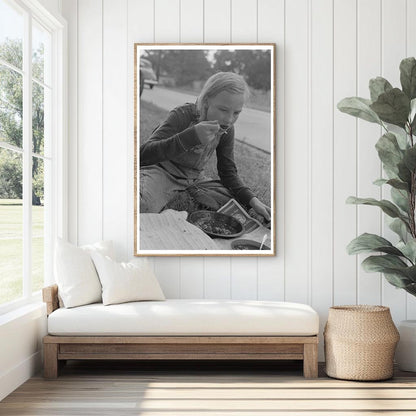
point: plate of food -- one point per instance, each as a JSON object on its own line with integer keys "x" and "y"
{"x": 215, "y": 224}
{"x": 242, "y": 244}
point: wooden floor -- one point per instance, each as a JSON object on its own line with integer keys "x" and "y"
{"x": 191, "y": 389}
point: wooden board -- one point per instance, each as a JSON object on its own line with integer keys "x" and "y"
{"x": 160, "y": 389}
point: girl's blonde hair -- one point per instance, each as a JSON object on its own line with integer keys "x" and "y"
{"x": 221, "y": 81}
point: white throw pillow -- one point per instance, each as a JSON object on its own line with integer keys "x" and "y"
{"x": 126, "y": 282}
{"x": 103, "y": 247}
{"x": 75, "y": 273}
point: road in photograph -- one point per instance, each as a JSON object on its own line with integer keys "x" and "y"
{"x": 252, "y": 127}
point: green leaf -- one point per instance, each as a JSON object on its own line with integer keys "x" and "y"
{"x": 389, "y": 208}
{"x": 401, "y": 139}
{"x": 390, "y": 173}
{"x": 400, "y": 198}
{"x": 400, "y": 228}
{"x": 392, "y": 107}
{"x": 389, "y": 151}
{"x": 396, "y": 271}
{"x": 408, "y": 249}
{"x": 378, "y": 86}
{"x": 412, "y": 115}
{"x": 380, "y": 182}
{"x": 408, "y": 77}
{"x": 411, "y": 289}
{"x": 397, "y": 280}
{"x": 398, "y": 184}
{"x": 381, "y": 263}
{"x": 412, "y": 109}
{"x": 359, "y": 107}
{"x": 410, "y": 158}
{"x": 411, "y": 273}
{"x": 404, "y": 173}
{"x": 366, "y": 243}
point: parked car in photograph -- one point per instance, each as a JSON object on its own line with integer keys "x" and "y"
{"x": 147, "y": 75}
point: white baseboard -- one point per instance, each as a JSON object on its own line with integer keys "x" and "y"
{"x": 10, "y": 380}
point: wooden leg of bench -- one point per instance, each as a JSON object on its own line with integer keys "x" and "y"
{"x": 310, "y": 360}
{"x": 50, "y": 360}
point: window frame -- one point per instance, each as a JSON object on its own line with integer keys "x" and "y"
{"x": 57, "y": 225}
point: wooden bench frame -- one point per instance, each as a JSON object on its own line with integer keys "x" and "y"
{"x": 58, "y": 349}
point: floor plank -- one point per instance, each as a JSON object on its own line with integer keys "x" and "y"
{"x": 216, "y": 388}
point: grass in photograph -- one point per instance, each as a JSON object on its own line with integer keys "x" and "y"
{"x": 253, "y": 165}
{"x": 11, "y": 249}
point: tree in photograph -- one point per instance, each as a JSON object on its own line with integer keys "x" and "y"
{"x": 253, "y": 65}
{"x": 184, "y": 66}
{"x": 11, "y": 116}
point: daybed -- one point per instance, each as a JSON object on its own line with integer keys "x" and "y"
{"x": 181, "y": 329}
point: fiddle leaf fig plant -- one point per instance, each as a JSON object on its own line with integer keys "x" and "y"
{"x": 394, "y": 109}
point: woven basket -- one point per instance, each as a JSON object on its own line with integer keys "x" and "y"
{"x": 360, "y": 341}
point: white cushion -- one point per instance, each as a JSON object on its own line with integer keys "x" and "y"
{"x": 187, "y": 317}
{"x": 75, "y": 273}
{"x": 103, "y": 247}
{"x": 126, "y": 282}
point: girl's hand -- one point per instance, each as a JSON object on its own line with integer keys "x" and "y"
{"x": 206, "y": 131}
{"x": 261, "y": 208}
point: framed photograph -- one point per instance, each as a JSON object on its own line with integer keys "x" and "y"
{"x": 204, "y": 163}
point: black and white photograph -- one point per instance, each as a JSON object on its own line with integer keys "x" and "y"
{"x": 204, "y": 149}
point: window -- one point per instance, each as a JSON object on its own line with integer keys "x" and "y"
{"x": 31, "y": 142}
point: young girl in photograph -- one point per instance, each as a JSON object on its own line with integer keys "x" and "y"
{"x": 173, "y": 159}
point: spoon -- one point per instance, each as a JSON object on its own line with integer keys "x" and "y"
{"x": 262, "y": 241}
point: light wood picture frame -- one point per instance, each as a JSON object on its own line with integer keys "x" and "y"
{"x": 204, "y": 149}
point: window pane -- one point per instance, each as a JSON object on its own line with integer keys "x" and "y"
{"x": 11, "y": 226}
{"x": 11, "y": 34}
{"x": 11, "y": 107}
{"x": 37, "y": 224}
{"x": 38, "y": 118}
{"x": 41, "y": 46}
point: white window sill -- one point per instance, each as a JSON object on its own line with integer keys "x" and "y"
{"x": 35, "y": 308}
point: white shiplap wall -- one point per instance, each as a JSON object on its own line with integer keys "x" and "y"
{"x": 326, "y": 50}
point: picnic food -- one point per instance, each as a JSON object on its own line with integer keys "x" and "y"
{"x": 247, "y": 245}
{"x": 216, "y": 224}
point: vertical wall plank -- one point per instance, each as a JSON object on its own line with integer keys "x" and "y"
{"x": 411, "y": 51}
{"x": 192, "y": 277}
{"x": 70, "y": 12}
{"x": 244, "y": 278}
{"x": 167, "y": 29}
{"x": 167, "y": 271}
{"x": 90, "y": 128}
{"x": 345, "y": 152}
{"x": 271, "y": 29}
{"x": 244, "y": 29}
{"x": 167, "y": 26}
{"x": 369, "y": 167}
{"x": 217, "y": 278}
{"x": 393, "y": 51}
{"x": 217, "y": 21}
{"x": 321, "y": 169}
{"x": 411, "y": 28}
{"x": 115, "y": 52}
{"x": 244, "y": 21}
{"x": 217, "y": 29}
{"x": 137, "y": 33}
{"x": 296, "y": 152}
{"x": 192, "y": 31}
{"x": 192, "y": 21}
